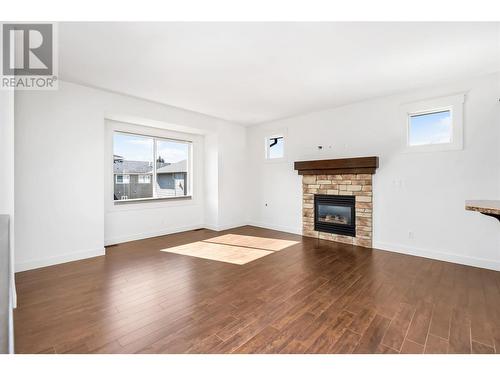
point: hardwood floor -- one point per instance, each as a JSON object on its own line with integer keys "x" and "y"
{"x": 312, "y": 297}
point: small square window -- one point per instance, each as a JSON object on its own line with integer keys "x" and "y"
{"x": 434, "y": 124}
{"x": 275, "y": 147}
{"x": 430, "y": 128}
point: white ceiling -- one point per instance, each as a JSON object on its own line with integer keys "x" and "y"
{"x": 256, "y": 72}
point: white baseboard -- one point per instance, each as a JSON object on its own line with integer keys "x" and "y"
{"x": 219, "y": 228}
{"x": 446, "y": 257}
{"x": 32, "y": 264}
{"x": 25, "y": 266}
{"x": 281, "y": 228}
{"x": 141, "y": 236}
{"x": 395, "y": 248}
{"x": 402, "y": 249}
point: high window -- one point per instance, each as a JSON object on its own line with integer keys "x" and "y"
{"x": 275, "y": 147}
{"x": 150, "y": 167}
{"x": 434, "y": 125}
{"x": 430, "y": 128}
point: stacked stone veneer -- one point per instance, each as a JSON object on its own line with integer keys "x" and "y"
{"x": 359, "y": 185}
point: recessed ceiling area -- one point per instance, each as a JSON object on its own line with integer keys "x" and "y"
{"x": 251, "y": 73}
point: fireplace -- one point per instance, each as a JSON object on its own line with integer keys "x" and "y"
{"x": 335, "y": 214}
{"x": 337, "y": 199}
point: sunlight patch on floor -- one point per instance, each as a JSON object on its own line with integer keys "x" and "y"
{"x": 232, "y": 248}
{"x": 263, "y": 243}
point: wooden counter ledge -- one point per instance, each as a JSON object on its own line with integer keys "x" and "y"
{"x": 486, "y": 207}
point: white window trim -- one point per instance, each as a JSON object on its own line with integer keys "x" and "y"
{"x": 453, "y": 103}
{"x": 123, "y": 179}
{"x": 267, "y": 148}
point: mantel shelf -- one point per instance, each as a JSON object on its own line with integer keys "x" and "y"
{"x": 363, "y": 165}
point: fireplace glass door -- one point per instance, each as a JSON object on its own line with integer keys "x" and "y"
{"x": 335, "y": 214}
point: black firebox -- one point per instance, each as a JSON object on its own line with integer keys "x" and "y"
{"x": 335, "y": 214}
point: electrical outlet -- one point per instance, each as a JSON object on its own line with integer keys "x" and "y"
{"x": 410, "y": 235}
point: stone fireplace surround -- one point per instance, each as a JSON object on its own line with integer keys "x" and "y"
{"x": 351, "y": 176}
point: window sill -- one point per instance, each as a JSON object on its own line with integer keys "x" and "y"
{"x": 143, "y": 200}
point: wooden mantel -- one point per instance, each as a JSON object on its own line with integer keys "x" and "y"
{"x": 364, "y": 165}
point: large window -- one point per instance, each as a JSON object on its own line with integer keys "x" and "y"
{"x": 149, "y": 167}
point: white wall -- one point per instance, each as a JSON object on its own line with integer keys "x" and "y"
{"x": 7, "y": 159}
{"x": 211, "y": 185}
{"x": 7, "y": 190}
{"x": 434, "y": 186}
{"x": 61, "y": 213}
{"x": 233, "y": 188}
{"x": 7, "y": 152}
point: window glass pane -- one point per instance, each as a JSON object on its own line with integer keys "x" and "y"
{"x": 132, "y": 157}
{"x": 430, "y": 128}
{"x": 275, "y": 147}
{"x": 171, "y": 168}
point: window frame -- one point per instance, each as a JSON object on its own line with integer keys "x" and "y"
{"x": 156, "y": 138}
{"x": 452, "y": 103}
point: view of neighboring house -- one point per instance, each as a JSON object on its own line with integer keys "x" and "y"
{"x": 171, "y": 179}
{"x": 134, "y": 179}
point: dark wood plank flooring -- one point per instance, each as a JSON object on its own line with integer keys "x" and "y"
{"x": 313, "y": 297}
